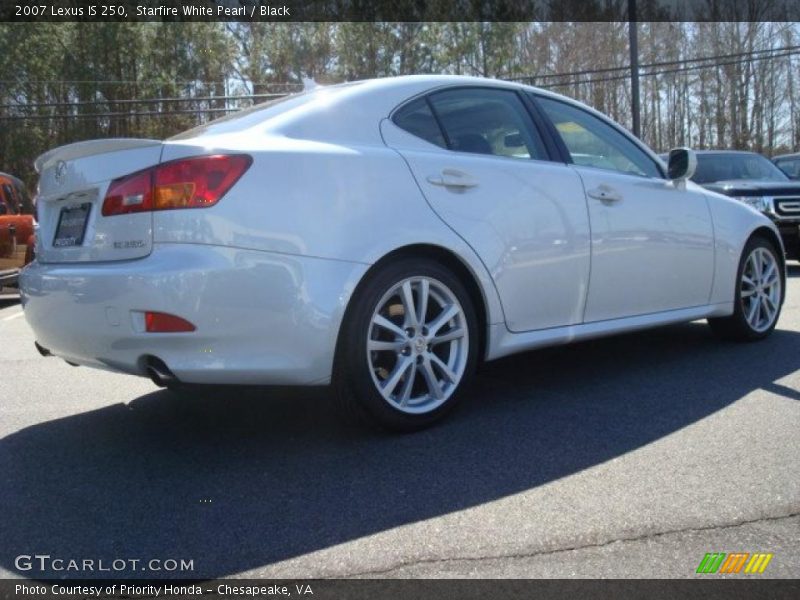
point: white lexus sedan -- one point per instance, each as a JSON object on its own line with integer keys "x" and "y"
{"x": 384, "y": 236}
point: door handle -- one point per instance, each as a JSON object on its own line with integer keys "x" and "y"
{"x": 453, "y": 178}
{"x": 606, "y": 194}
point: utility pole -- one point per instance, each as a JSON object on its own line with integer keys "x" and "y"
{"x": 634, "y": 47}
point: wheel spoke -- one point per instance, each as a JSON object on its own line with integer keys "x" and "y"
{"x": 757, "y": 264}
{"x": 755, "y": 303}
{"x": 770, "y": 304}
{"x": 446, "y": 371}
{"x": 382, "y": 321}
{"x": 430, "y": 379}
{"x": 747, "y": 281}
{"x": 394, "y": 377}
{"x": 769, "y": 275}
{"x": 448, "y": 312}
{"x": 408, "y": 305}
{"x": 408, "y": 384}
{"x": 384, "y": 346}
{"x": 747, "y": 293}
{"x": 454, "y": 334}
{"x": 424, "y": 293}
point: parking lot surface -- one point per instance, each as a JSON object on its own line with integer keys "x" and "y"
{"x": 631, "y": 456}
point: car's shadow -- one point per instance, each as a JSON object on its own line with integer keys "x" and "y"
{"x": 7, "y": 300}
{"x": 235, "y": 483}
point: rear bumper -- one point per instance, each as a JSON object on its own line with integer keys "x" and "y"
{"x": 261, "y": 318}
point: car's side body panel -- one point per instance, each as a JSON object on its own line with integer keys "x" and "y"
{"x": 734, "y": 223}
{"x": 526, "y": 219}
{"x": 350, "y": 203}
{"x": 502, "y": 342}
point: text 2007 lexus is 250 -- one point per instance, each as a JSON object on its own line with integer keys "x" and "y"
{"x": 384, "y": 236}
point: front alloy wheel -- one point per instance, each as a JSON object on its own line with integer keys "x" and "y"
{"x": 759, "y": 294}
{"x": 760, "y": 289}
{"x": 409, "y": 344}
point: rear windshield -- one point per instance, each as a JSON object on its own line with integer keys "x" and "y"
{"x": 260, "y": 113}
{"x": 727, "y": 167}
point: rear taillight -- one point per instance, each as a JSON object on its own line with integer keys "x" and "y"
{"x": 186, "y": 183}
{"x": 133, "y": 193}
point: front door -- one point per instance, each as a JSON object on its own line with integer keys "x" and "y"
{"x": 652, "y": 242}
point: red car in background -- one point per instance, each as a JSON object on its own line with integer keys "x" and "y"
{"x": 16, "y": 229}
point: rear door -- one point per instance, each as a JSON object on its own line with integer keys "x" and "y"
{"x": 72, "y": 186}
{"x": 485, "y": 169}
{"x": 652, "y": 242}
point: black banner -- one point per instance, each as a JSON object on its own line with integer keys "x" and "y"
{"x": 397, "y": 10}
{"x": 400, "y": 589}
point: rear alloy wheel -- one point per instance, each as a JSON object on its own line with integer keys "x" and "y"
{"x": 410, "y": 345}
{"x": 759, "y": 294}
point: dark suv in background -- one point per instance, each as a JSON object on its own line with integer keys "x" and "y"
{"x": 754, "y": 180}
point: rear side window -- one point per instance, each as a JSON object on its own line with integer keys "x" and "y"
{"x": 488, "y": 121}
{"x": 417, "y": 119}
{"x": 592, "y": 142}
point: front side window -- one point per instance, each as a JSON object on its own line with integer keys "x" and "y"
{"x": 487, "y": 121}
{"x": 593, "y": 143}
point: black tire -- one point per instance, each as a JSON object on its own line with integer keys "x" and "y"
{"x": 355, "y": 377}
{"x": 736, "y": 327}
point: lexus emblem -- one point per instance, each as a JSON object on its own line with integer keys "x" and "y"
{"x": 61, "y": 172}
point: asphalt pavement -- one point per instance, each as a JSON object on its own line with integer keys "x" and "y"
{"x": 631, "y": 456}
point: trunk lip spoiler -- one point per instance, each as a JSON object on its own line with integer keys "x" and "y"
{"x": 90, "y": 148}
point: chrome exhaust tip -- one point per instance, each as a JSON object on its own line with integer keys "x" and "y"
{"x": 160, "y": 374}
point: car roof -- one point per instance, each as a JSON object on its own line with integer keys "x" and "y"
{"x": 792, "y": 155}
{"x": 372, "y": 100}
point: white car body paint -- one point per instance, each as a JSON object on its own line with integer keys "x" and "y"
{"x": 267, "y": 273}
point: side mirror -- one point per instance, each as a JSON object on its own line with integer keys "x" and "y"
{"x": 682, "y": 164}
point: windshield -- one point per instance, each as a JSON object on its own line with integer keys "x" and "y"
{"x": 260, "y": 113}
{"x": 727, "y": 167}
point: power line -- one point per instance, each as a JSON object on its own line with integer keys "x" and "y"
{"x": 116, "y": 114}
{"x": 667, "y": 71}
{"x": 144, "y": 100}
{"x": 784, "y": 52}
{"x": 298, "y": 85}
{"x": 655, "y": 64}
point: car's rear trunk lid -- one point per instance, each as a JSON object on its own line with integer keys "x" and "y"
{"x": 72, "y": 185}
